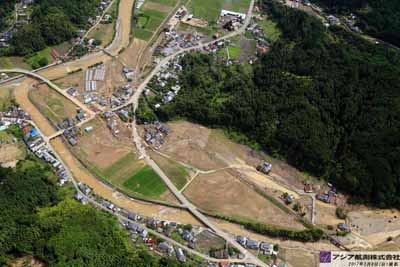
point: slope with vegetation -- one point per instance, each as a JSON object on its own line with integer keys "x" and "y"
{"x": 6, "y": 10}
{"x": 327, "y": 101}
{"x": 378, "y": 18}
{"x": 39, "y": 219}
{"x": 52, "y": 22}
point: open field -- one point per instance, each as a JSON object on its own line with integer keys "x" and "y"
{"x": 375, "y": 226}
{"x": 146, "y": 182}
{"x": 6, "y": 97}
{"x": 10, "y": 153}
{"x": 52, "y": 104}
{"x": 151, "y": 16}
{"x": 13, "y": 62}
{"x": 151, "y": 210}
{"x": 326, "y": 214}
{"x": 223, "y": 194}
{"x": 100, "y": 148}
{"x": 211, "y": 9}
{"x": 114, "y": 160}
{"x": 299, "y": 259}
{"x": 207, "y": 240}
{"x": 178, "y": 174}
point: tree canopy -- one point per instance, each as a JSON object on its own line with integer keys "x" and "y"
{"x": 378, "y": 18}
{"x": 327, "y": 101}
{"x": 38, "y": 219}
{"x": 52, "y": 22}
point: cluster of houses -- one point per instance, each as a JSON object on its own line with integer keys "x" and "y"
{"x": 174, "y": 41}
{"x": 121, "y": 95}
{"x": 264, "y": 247}
{"x": 155, "y": 134}
{"x": 112, "y": 122}
{"x": 166, "y": 82}
{"x": 351, "y": 22}
{"x": 34, "y": 141}
{"x": 21, "y": 18}
{"x": 259, "y": 34}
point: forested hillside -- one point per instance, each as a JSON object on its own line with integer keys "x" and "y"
{"x": 380, "y": 18}
{"x": 52, "y": 22}
{"x": 38, "y": 220}
{"x": 327, "y": 101}
{"x": 6, "y": 8}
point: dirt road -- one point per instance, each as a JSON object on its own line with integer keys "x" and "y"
{"x": 21, "y": 96}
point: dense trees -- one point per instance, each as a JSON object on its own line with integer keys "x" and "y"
{"x": 6, "y": 9}
{"x": 36, "y": 219}
{"x": 326, "y": 101}
{"x": 378, "y": 18}
{"x": 52, "y": 22}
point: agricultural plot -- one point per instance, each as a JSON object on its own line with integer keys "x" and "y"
{"x": 146, "y": 182}
{"x": 53, "y": 105}
{"x": 222, "y": 193}
{"x": 177, "y": 173}
{"x": 211, "y": 9}
{"x": 114, "y": 160}
{"x": 150, "y": 17}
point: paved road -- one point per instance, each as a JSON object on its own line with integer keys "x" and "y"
{"x": 142, "y": 151}
{"x": 120, "y": 216}
{"x": 51, "y": 85}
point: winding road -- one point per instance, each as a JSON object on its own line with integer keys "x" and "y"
{"x": 121, "y": 40}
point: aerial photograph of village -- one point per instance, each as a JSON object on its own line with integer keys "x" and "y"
{"x": 199, "y": 133}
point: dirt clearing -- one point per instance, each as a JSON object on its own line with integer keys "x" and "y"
{"x": 52, "y": 104}
{"x": 100, "y": 148}
{"x": 375, "y": 226}
{"x": 223, "y": 194}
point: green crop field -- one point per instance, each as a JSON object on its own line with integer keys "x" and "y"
{"x": 146, "y": 182}
{"x": 210, "y": 9}
{"x": 177, "y": 173}
{"x": 234, "y": 51}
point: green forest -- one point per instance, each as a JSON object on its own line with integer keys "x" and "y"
{"x": 325, "y": 100}
{"x": 380, "y": 18}
{"x": 6, "y": 9}
{"x": 39, "y": 219}
{"x": 52, "y": 22}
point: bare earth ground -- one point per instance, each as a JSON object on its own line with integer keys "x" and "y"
{"x": 299, "y": 258}
{"x": 326, "y": 214}
{"x": 187, "y": 143}
{"x": 10, "y": 154}
{"x": 100, "y": 147}
{"x": 375, "y": 225}
{"x": 54, "y": 105}
{"x": 26, "y": 261}
{"x": 223, "y": 194}
{"x": 130, "y": 56}
{"x": 151, "y": 210}
{"x": 157, "y": 6}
